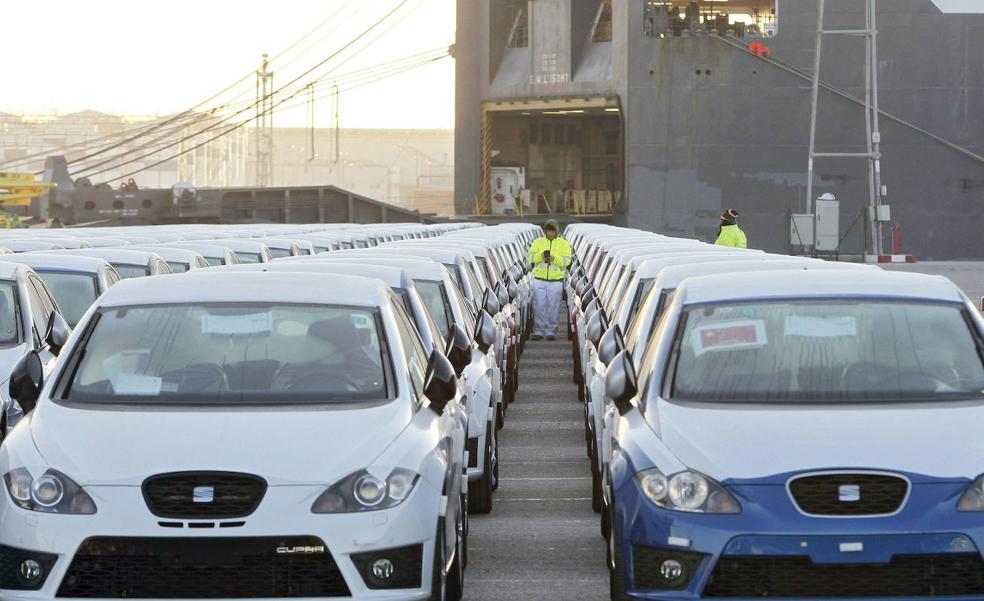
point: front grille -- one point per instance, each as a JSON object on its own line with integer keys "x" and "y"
{"x": 646, "y": 562}
{"x": 834, "y": 494}
{"x": 203, "y": 495}
{"x": 798, "y": 577}
{"x": 10, "y": 571}
{"x": 203, "y": 568}
{"x": 407, "y": 561}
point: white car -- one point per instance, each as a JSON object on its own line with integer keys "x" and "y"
{"x": 225, "y": 435}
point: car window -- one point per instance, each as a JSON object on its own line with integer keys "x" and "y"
{"x": 413, "y": 348}
{"x": 131, "y": 271}
{"x": 437, "y": 303}
{"x": 39, "y": 315}
{"x": 112, "y": 276}
{"x": 245, "y": 257}
{"x": 10, "y": 316}
{"x": 178, "y": 267}
{"x": 73, "y": 291}
{"x": 202, "y": 262}
{"x": 827, "y": 351}
{"x": 163, "y": 268}
{"x": 278, "y": 253}
{"x": 253, "y": 353}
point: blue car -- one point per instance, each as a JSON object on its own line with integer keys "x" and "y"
{"x": 815, "y": 435}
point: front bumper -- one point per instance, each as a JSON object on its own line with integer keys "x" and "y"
{"x": 771, "y": 550}
{"x": 283, "y": 514}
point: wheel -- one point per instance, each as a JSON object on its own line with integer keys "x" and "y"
{"x": 480, "y": 491}
{"x": 500, "y": 416}
{"x": 438, "y": 579}
{"x": 495, "y": 464}
{"x": 456, "y": 573}
{"x": 616, "y": 578}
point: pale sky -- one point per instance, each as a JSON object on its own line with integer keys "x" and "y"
{"x": 159, "y": 57}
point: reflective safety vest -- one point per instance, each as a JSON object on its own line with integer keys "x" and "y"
{"x": 560, "y": 258}
{"x": 731, "y": 235}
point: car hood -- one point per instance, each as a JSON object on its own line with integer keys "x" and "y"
{"x": 741, "y": 442}
{"x": 285, "y": 446}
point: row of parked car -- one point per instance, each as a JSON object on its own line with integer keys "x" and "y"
{"x": 306, "y": 411}
{"x": 761, "y": 425}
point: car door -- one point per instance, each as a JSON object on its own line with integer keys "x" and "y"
{"x": 451, "y": 423}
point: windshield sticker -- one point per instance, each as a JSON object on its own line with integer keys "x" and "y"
{"x": 821, "y": 327}
{"x": 729, "y": 335}
{"x": 237, "y": 325}
{"x": 136, "y": 385}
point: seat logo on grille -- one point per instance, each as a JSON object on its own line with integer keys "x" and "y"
{"x": 203, "y": 494}
{"x": 849, "y": 493}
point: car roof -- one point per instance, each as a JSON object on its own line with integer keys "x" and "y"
{"x": 860, "y": 283}
{"x": 416, "y": 267}
{"x": 8, "y": 270}
{"x": 204, "y": 285}
{"x": 672, "y": 275}
{"x": 391, "y": 276}
{"x": 113, "y": 255}
{"x": 61, "y": 261}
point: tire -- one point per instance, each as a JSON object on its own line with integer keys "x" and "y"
{"x": 595, "y": 482}
{"x": 480, "y": 491}
{"x": 616, "y": 578}
{"x": 438, "y": 588}
{"x": 456, "y": 574}
{"x": 495, "y": 465}
{"x": 500, "y": 416}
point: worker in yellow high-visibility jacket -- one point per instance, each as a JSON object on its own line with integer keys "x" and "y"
{"x": 729, "y": 234}
{"x": 550, "y": 256}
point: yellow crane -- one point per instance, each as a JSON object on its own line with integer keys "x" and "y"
{"x": 18, "y": 190}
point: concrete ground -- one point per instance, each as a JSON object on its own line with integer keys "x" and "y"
{"x": 542, "y": 540}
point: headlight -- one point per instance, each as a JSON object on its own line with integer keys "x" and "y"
{"x": 687, "y": 491}
{"x": 973, "y": 497}
{"x": 52, "y": 492}
{"x": 364, "y": 492}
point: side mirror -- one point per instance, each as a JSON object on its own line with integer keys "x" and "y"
{"x": 502, "y": 293}
{"x": 485, "y": 331}
{"x": 587, "y": 297}
{"x": 597, "y": 325}
{"x": 612, "y": 343}
{"x": 57, "y": 333}
{"x": 440, "y": 383}
{"x": 490, "y": 303}
{"x": 512, "y": 288}
{"x": 621, "y": 384}
{"x": 459, "y": 349}
{"x": 26, "y": 381}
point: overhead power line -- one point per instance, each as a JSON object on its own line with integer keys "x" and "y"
{"x": 293, "y": 81}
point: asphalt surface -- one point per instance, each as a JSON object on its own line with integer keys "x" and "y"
{"x": 541, "y": 541}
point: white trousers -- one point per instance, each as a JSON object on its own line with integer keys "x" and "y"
{"x": 546, "y": 306}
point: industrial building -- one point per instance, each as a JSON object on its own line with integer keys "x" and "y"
{"x": 661, "y": 114}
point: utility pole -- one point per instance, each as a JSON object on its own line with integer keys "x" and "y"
{"x": 264, "y": 125}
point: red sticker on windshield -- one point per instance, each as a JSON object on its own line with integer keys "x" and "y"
{"x": 729, "y": 335}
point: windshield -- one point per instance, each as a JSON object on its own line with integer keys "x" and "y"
{"x": 74, "y": 292}
{"x": 177, "y": 267}
{"x": 131, "y": 271}
{"x": 9, "y": 315}
{"x": 228, "y": 354}
{"x": 827, "y": 351}
{"x": 249, "y": 257}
